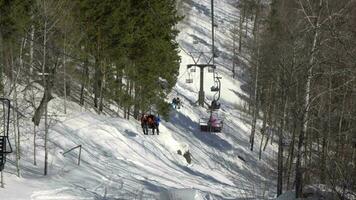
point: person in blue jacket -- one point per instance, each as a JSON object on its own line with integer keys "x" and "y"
{"x": 157, "y": 121}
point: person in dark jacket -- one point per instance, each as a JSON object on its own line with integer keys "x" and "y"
{"x": 174, "y": 103}
{"x": 144, "y": 124}
{"x": 178, "y": 104}
{"x": 151, "y": 121}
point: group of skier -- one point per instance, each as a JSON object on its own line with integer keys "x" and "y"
{"x": 176, "y": 103}
{"x": 150, "y": 121}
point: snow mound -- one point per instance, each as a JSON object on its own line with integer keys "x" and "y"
{"x": 181, "y": 194}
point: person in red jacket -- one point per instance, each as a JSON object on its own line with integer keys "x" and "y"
{"x": 144, "y": 124}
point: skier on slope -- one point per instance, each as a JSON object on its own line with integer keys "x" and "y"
{"x": 178, "y": 103}
{"x": 144, "y": 124}
{"x": 174, "y": 103}
{"x": 157, "y": 121}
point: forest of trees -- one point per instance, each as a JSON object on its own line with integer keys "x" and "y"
{"x": 95, "y": 53}
{"x": 302, "y": 81}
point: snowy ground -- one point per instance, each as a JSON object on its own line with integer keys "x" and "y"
{"x": 119, "y": 162}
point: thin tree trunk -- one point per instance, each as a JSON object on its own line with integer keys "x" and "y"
{"x": 270, "y": 132}
{"x": 2, "y": 180}
{"x": 291, "y": 154}
{"x": 16, "y": 131}
{"x": 280, "y": 145}
{"x": 263, "y": 130}
{"x": 126, "y": 109}
{"x": 34, "y": 145}
{"x": 233, "y": 57}
{"x": 32, "y": 48}
{"x": 102, "y": 86}
{"x": 306, "y": 107}
{"x": 257, "y": 16}
{"x": 45, "y": 96}
{"x": 273, "y": 121}
{"x": 241, "y": 28}
{"x": 136, "y": 102}
{"x": 64, "y": 77}
{"x": 97, "y": 83}
{"x": 256, "y": 104}
{"x": 1, "y": 70}
{"x": 85, "y": 75}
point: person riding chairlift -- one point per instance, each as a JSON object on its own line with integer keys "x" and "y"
{"x": 215, "y": 104}
{"x": 213, "y": 121}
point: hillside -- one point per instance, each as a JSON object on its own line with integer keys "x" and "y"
{"x": 119, "y": 162}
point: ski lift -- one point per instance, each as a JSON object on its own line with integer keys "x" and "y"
{"x": 189, "y": 80}
{"x": 215, "y": 105}
{"x": 193, "y": 69}
{"x": 215, "y": 88}
{"x": 4, "y": 135}
{"x": 211, "y": 124}
{"x": 216, "y": 54}
{"x": 210, "y": 69}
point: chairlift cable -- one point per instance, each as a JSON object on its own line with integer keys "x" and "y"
{"x": 182, "y": 75}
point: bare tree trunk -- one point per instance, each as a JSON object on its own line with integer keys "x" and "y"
{"x": 46, "y": 96}
{"x": 256, "y": 103}
{"x": 291, "y": 154}
{"x": 233, "y": 57}
{"x": 257, "y": 16}
{"x": 85, "y": 75}
{"x": 127, "y": 105}
{"x": 263, "y": 130}
{"x": 241, "y": 21}
{"x": 64, "y": 77}
{"x": 306, "y": 108}
{"x": 34, "y": 145}
{"x": 280, "y": 145}
{"x": 102, "y": 86}
{"x": 16, "y": 133}
{"x": 97, "y": 83}
{"x": 1, "y": 70}
{"x": 2, "y": 180}
{"x": 15, "y": 115}
{"x": 270, "y": 133}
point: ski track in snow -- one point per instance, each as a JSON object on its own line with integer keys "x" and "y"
{"x": 119, "y": 162}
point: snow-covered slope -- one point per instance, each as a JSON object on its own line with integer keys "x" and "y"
{"x": 119, "y": 162}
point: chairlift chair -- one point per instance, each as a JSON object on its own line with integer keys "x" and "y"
{"x": 210, "y": 69}
{"x": 214, "y": 88}
{"x": 189, "y": 80}
{"x": 193, "y": 69}
{"x": 205, "y": 126}
{"x": 215, "y": 105}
